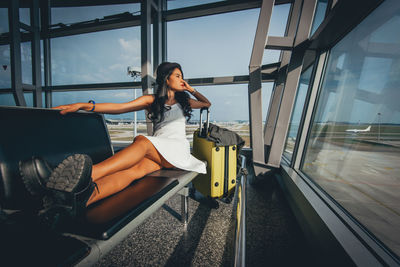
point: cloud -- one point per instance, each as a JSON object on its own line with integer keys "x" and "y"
{"x": 131, "y": 49}
{"x": 117, "y": 66}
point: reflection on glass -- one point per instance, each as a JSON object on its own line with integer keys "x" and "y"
{"x": 205, "y": 52}
{"x": 5, "y": 68}
{"x": 120, "y": 126}
{"x": 42, "y": 60}
{"x": 296, "y": 113}
{"x": 266, "y": 92}
{"x": 279, "y": 19}
{"x": 319, "y": 15}
{"x": 28, "y": 99}
{"x": 353, "y": 150}
{"x": 7, "y": 100}
{"x": 68, "y": 15}
{"x": 25, "y": 16}
{"x": 3, "y": 20}
{"x": 87, "y": 58}
{"x": 229, "y": 112}
{"x": 173, "y": 4}
{"x": 26, "y": 60}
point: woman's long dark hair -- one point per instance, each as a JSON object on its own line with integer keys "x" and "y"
{"x": 157, "y": 108}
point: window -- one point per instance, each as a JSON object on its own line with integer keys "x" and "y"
{"x": 87, "y": 58}
{"x": 319, "y": 15}
{"x": 279, "y": 19}
{"x": 353, "y": 149}
{"x": 121, "y": 126}
{"x": 26, "y": 60}
{"x": 3, "y": 20}
{"x": 296, "y": 113}
{"x": 5, "y": 71}
{"x": 25, "y": 16}
{"x": 7, "y": 100}
{"x": 212, "y": 46}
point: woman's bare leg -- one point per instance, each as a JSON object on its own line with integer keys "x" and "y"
{"x": 127, "y": 158}
{"x": 115, "y": 182}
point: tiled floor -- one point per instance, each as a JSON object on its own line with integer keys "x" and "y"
{"x": 273, "y": 236}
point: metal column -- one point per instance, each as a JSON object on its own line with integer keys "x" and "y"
{"x": 36, "y": 62}
{"x": 146, "y": 53}
{"x": 15, "y": 53}
{"x": 292, "y": 79}
{"x": 45, "y": 11}
{"x": 254, "y": 91}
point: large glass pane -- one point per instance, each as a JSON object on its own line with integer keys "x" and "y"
{"x": 28, "y": 99}
{"x": 279, "y": 19}
{"x": 353, "y": 150}
{"x": 271, "y": 56}
{"x": 7, "y": 100}
{"x": 218, "y": 45}
{"x": 68, "y": 15}
{"x": 296, "y": 113}
{"x": 98, "y": 57}
{"x": 5, "y": 71}
{"x": 26, "y": 60}
{"x": 25, "y": 16}
{"x": 319, "y": 15}
{"x": 120, "y": 126}
{"x": 266, "y": 92}
{"x": 3, "y": 20}
{"x": 229, "y": 112}
{"x": 174, "y": 4}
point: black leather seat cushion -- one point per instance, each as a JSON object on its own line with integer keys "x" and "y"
{"x": 106, "y": 217}
{"x": 28, "y": 132}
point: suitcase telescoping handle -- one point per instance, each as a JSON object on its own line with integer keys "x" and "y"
{"x": 203, "y": 133}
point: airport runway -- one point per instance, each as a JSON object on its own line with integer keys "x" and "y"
{"x": 364, "y": 178}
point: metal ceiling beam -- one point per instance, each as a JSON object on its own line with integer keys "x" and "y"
{"x": 225, "y": 80}
{"x": 240, "y": 79}
{"x": 95, "y": 86}
{"x": 210, "y": 9}
{"x": 279, "y": 43}
{"x": 74, "y": 3}
{"x": 95, "y": 26}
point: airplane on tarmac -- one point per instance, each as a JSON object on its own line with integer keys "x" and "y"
{"x": 359, "y": 130}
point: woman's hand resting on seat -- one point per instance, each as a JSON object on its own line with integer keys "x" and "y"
{"x": 72, "y": 107}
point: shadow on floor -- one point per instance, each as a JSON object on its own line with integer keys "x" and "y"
{"x": 273, "y": 236}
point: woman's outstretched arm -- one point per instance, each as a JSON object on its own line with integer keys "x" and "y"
{"x": 200, "y": 102}
{"x": 139, "y": 103}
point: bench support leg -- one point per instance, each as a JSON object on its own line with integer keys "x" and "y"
{"x": 184, "y": 205}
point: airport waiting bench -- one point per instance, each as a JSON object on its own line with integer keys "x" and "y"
{"x": 27, "y": 132}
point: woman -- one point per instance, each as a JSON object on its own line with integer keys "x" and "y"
{"x": 72, "y": 183}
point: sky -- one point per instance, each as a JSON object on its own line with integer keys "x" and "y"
{"x": 212, "y": 46}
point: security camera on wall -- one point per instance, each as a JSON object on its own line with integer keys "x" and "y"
{"x": 134, "y": 72}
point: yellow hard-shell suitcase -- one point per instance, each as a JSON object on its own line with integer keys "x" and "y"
{"x": 220, "y": 179}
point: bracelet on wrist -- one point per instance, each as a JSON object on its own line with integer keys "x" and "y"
{"x": 194, "y": 91}
{"x": 94, "y": 104}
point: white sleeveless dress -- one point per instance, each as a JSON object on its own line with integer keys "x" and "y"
{"x": 169, "y": 139}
